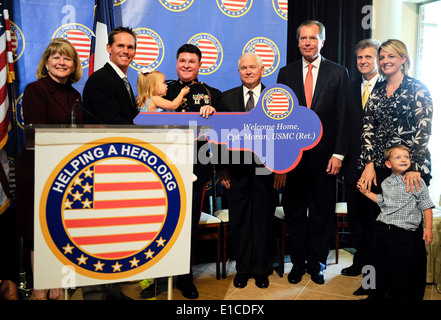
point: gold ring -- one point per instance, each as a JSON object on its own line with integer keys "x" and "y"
{"x": 415, "y": 180}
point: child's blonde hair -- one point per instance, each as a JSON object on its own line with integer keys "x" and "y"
{"x": 389, "y": 150}
{"x": 146, "y": 86}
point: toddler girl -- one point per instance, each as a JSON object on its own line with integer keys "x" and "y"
{"x": 151, "y": 88}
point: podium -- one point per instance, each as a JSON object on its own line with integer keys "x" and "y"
{"x": 112, "y": 203}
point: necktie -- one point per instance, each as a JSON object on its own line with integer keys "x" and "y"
{"x": 129, "y": 89}
{"x": 308, "y": 86}
{"x": 365, "y": 96}
{"x": 250, "y": 102}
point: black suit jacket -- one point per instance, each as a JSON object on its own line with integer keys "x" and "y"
{"x": 330, "y": 103}
{"x": 356, "y": 114}
{"x": 105, "y": 96}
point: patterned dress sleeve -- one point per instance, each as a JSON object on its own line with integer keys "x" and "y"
{"x": 422, "y": 108}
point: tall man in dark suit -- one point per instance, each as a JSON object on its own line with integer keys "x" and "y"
{"x": 108, "y": 99}
{"x": 310, "y": 191}
{"x": 248, "y": 191}
{"x": 107, "y": 94}
{"x": 361, "y": 212}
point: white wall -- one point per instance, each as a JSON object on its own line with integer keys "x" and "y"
{"x": 397, "y": 19}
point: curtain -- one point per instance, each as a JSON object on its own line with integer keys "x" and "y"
{"x": 344, "y": 28}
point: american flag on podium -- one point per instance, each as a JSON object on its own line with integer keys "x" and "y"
{"x": 115, "y": 204}
{"x": 6, "y": 76}
{"x": 103, "y": 23}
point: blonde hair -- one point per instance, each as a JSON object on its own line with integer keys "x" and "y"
{"x": 398, "y": 48}
{"x": 61, "y": 46}
{"x": 146, "y": 86}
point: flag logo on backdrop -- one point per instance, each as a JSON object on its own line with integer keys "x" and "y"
{"x": 267, "y": 50}
{"x": 149, "y": 51}
{"x": 234, "y": 8}
{"x": 112, "y": 208}
{"x": 81, "y": 38}
{"x": 212, "y": 53}
{"x": 17, "y": 41}
{"x": 19, "y": 106}
{"x": 277, "y": 103}
{"x": 176, "y": 5}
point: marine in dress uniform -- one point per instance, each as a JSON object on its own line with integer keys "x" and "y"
{"x": 200, "y": 95}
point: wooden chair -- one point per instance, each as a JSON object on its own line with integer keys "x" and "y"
{"x": 341, "y": 210}
{"x": 210, "y": 229}
{"x": 224, "y": 217}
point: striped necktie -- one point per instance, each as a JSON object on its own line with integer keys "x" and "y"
{"x": 129, "y": 90}
{"x": 250, "y": 102}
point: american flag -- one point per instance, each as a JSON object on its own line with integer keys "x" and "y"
{"x": 234, "y": 5}
{"x": 209, "y": 53}
{"x": 283, "y": 4}
{"x": 81, "y": 42}
{"x": 265, "y": 52}
{"x": 104, "y": 22}
{"x": 278, "y": 103}
{"x": 114, "y": 208}
{"x": 5, "y": 77}
{"x": 177, "y": 2}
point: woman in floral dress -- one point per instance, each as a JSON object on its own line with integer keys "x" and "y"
{"x": 399, "y": 112}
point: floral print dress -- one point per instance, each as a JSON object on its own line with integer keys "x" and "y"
{"x": 403, "y": 118}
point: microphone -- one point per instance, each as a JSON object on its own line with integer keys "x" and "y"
{"x": 73, "y": 116}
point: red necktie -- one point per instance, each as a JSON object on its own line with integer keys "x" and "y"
{"x": 308, "y": 86}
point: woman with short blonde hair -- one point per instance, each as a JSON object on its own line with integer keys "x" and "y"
{"x": 64, "y": 47}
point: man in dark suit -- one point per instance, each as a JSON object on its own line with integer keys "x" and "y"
{"x": 107, "y": 94}
{"x": 249, "y": 192}
{"x": 108, "y": 99}
{"x": 310, "y": 189}
{"x": 361, "y": 212}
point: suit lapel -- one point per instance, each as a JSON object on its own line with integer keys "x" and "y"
{"x": 238, "y": 99}
{"x": 299, "y": 86}
{"x": 122, "y": 86}
{"x": 358, "y": 95}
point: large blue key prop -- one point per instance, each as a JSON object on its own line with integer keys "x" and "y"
{"x": 277, "y": 130}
